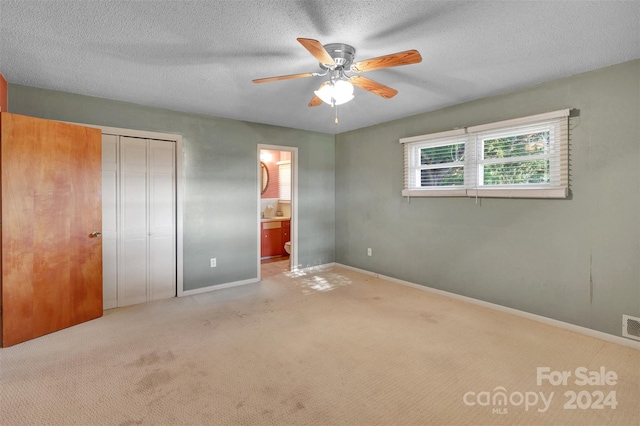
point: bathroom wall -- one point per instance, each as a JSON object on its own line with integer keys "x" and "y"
{"x": 220, "y": 179}
{"x": 265, "y": 203}
{"x": 574, "y": 260}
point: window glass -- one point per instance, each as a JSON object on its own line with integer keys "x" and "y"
{"x": 441, "y": 165}
{"x": 449, "y": 176}
{"x": 498, "y": 154}
{"x": 523, "y": 172}
{"x": 517, "y": 145}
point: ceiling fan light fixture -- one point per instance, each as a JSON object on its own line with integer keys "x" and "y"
{"x": 343, "y": 89}
{"x": 343, "y": 100}
{"x": 335, "y": 93}
{"x": 324, "y": 93}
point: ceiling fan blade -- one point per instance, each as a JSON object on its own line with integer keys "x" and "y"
{"x": 317, "y": 50}
{"x": 373, "y": 86}
{"x": 401, "y": 58}
{"x": 315, "y": 101}
{"x": 283, "y": 77}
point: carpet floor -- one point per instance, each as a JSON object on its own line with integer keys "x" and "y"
{"x": 325, "y": 347}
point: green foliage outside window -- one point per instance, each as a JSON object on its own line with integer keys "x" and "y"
{"x": 444, "y": 176}
{"x": 521, "y": 171}
{"x": 499, "y": 152}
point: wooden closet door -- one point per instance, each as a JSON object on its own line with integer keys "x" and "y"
{"x": 51, "y": 206}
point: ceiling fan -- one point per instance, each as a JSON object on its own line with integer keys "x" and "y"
{"x": 336, "y": 59}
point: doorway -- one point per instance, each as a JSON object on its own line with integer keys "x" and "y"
{"x": 277, "y": 193}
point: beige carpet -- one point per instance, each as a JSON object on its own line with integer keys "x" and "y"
{"x": 332, "y": 347}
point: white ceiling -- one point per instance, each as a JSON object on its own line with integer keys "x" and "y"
{"x": 200, "y": 56}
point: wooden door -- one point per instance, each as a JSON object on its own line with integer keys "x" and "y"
{"x": 51, "y": 208}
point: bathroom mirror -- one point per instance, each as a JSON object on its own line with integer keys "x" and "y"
{"x": 264, "y": 177}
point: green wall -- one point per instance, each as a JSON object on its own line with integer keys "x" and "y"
{"x": 220, "y": 181}
{"x": 575, "y": 260}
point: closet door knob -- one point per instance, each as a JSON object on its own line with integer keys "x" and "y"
{"x": 96, "y": 234}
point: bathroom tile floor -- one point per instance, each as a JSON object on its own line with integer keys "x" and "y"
{"x": 274, "y": 266}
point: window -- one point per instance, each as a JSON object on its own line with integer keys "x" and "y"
{"x": 284, "y": 181}
{"x": 525, "y": 157}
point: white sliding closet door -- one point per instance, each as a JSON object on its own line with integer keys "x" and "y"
{"x": 145, "y": 206}
{"x": 162, "y": 219}
{"x": 133, "y": 253}
{"x": 110, "y": 154}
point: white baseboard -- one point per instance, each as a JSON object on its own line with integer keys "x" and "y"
{"x": 218, "y": 287}
{"x": 549, "y": 321}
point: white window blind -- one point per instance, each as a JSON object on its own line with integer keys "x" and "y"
{"x": 525, "y": 157}
{"x": 284, "y": 179}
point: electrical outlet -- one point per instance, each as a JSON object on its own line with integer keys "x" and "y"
{"x": 368, "y": 252}
{"x": 213, "y": 262}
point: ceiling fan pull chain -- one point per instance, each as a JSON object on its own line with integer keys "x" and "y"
{"x": 336, "y": 114}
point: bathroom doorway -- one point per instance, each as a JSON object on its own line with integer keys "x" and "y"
{"x": 277, "y": 209}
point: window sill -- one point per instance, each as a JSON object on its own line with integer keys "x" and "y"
{"x": 458, "y": 192}
{"x": 546, "y": 192}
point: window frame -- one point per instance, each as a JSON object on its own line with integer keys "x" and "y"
{"x": 416, "y": 159}
{"x": 556, "y": 123}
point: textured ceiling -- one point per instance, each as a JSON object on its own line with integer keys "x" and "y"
{"x": 200, "y": 56}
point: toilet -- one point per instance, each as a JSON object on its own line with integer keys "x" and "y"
{"x": 287, "y": 247}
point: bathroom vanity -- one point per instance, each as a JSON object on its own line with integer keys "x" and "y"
{"x": 273, "y": 234}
